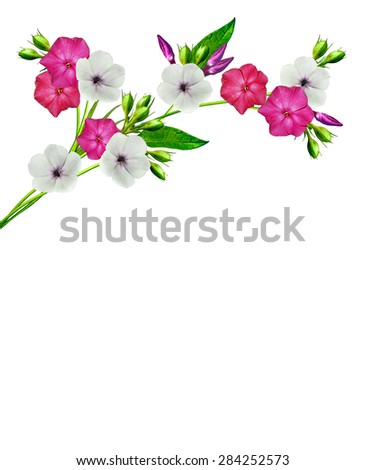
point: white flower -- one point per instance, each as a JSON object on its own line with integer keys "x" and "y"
{"x": 99, "y": 79}
{"x": 125, "y": 159}
{"x": 309, "y": 76}
{"x": 55, "y": 170}
{"x": 184, "y": 87}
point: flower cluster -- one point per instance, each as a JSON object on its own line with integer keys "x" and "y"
{"x": 127, "y": 148}
{"x": 288, "y": 109}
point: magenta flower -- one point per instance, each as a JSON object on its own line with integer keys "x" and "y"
{"x": 244, "y": 87}
{"x": 327, "y": 120}
{"x": 166, "y": 49}
{"x": 55, "y": 99}
{"x": 287, "y": 111}
{"x": 216, "y": 63}
{"x": 96, "y": 135}
{"x": 61, "y": 60}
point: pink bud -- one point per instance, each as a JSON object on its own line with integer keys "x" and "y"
{"x": 166, "y": 49}
{"x": 326, "y": 119}
{"x": 217, "y": 56}
{"x": 217, "y": 68}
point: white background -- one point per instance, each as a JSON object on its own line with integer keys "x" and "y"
{"x": 199, "y": 349}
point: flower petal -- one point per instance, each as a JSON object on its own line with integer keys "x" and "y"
{"x": 303, "y": 118}
{"x": 107, "y": 94}
{"x": 305, "y": 66}
{"x": 277, "y": 128}
{"x": 44, "y": 183}
{"x": 108, "y": 163}
{"x": 138, "y": 167}
{"x": 65, "y": 184}
{"x": 320, "y": 79}
{"x": 39, "y": 166}
{"x": 116, "y": 145}
{"x": 173, "y": 74}
{"x": 56, "y": 155}
{"x": 114, "y": 77}
{"x": 201, "y": 91}
{"x": 186, "y": 103}
{"x": 192, "y": 74}
{"x": 289, "y": 75}
{"x": 134, "y": 147}
{"x": 122, "y": 177}
{"x": 233, "y": 77}
{"x": 315, "y": 96}
{"x": 297, "y": 99}
{"x": 72, "y": 164}
{"x": 168, "y": 92}
{"x": 69, "y": 98}
{"x": 88, "y": 90}
{"x": 83, "y": 69}
{"x": 100, "y": 62}
{"x": 249, "y": 73}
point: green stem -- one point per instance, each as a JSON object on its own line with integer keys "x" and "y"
{"x": 77, "y": 120}
{"x": 21, "y": 209}
{"x": 212, "y": 103}
{"x": 19, "y": 204}
{"x": 86, "y": 170}
{"x": 25, "y": 197}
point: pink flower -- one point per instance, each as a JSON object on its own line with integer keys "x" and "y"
{"x": 244, "y": 87}
{"x": 61, "y": 60}
{"x": 96, "y": 135}
{"x": 55, "y": 99}
{"x": 287, "y": 111}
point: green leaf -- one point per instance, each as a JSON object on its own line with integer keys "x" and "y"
{"x": 171, "y": 138}
{"x": 215, "y": 40}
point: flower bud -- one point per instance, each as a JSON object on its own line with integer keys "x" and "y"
{"x": 127, "y": 103}
{"x": 41, "y": 42}
{"x": 154, "y": 125}
{"x": 217, "y": 68}
{"x": 144, "y": 101}
{"x": 320, "y": 48}
{"x": 323, "y": 134}
{"x": 185, "y": 55}
{"x": 201, "y": 54}
{"x": 313, "y": 147}
{"x": 161, "y": 156}
{"x": 158, "y": 171}
{"x": 217, "y": 56}
{"x": 29, "y": 54}
{"x": 141, "y": 114}
{"x": 327, "y": 120}
{"x": 166, "y": 49}
{"x": 333, "y": 57}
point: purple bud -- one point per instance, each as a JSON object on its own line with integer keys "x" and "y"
{"x": 166, "y": 49}
{"x": 217, "y": 68}
{"x": 217, "y": 56}
{"x": 326, "y": 119}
